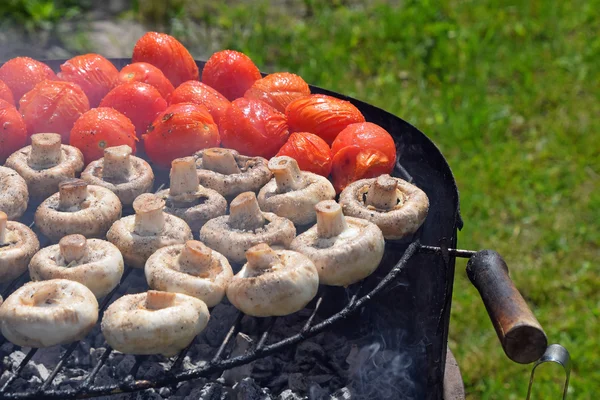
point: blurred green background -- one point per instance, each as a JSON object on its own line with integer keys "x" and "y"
{"x": 509, "y": 91}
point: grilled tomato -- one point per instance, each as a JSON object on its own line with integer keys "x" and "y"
{"x": 352, "y": 163}
{"x": 21, "y": 74}
{"x": 93, "y": 73}
{"x": 147, "y": 73}
{"x": 198, "y": 93}
{"x": 6, "y": 93}
{"x": 366, "y": 135}
{"x": 278, "y": 90}
{"x": 310, "y": 151}
{"x": 13, "y": 132}
{"x": 231, "y": 73}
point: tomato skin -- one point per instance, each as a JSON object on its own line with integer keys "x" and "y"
{"x": 6, "y": 93}
{"x": 147, "y": 73}
{"x": 366, "y": 135}
{"x": 93, "y": 73}
{"x": 139, "y": 102}
{"x": 180, "y": 131}
{"x": 325, "y": 116}
{"x": 278, "y": 90}
{"x": 231, "y": 73}
{"x": 53, "y": 106}
{"x": 352, "y": 163}
{"x": 21, "y": 74}
{"x": 100, "y": 128}
{"x": 253, "y": 128}
{"x": 310, "y": 151}
{"x": 13, "y": 131}
{"x": 167, "y": 54}
{"x": 198, "y": 93}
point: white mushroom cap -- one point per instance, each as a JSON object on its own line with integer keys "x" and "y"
{"x": 138, "y": 236}
{"x": 188, "y": 200}
{"x": 344, "y": 249}
{"x": 230, "y": 173}
{"x": 126, "y": 175}
{"x": 13, "y": 193}
{"x": 18, "y": 244}
{"x": 293, "y": 193}
{"x": 47, "y": 313}
{"x": 78, "y": 208}
{"x": 273, "y": 282}
{"x": 246, "y": 226}
{"x": 93, "y": 262}
{"x": 191, "y": 268}
{"x": 154, "y": 322}
{"x": 397, "y": 207}
{"x": 45, "y": 164}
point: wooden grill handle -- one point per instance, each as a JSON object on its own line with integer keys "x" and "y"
{"x": 520, "y": 334}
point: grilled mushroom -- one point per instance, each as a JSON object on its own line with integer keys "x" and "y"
{"x": 138, "y": 236}
{"x": 344, "y": 249}
{"x": 18, "y": 244}
{"x": 45, "y": 164}
{"x": 188, "y": 200}
{"x": 126, "y": 175}
{"x": 154, "y": 322}
{"x": 293, "y": 194}
{"x": 47, "y": 313}
{"x": 397, "y": 207}
{"x": 246, "y": 226}
{"x": 190, "y": 268}
{"x": 273, "y": 282}
{"x": 95, "y": 263}
{"x": 13, "y": 193}
{"x": 89, "y": 210}
{"x": 230, "y": 173}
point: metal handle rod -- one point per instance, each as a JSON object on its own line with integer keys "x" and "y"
{"x": 557, "y": 354}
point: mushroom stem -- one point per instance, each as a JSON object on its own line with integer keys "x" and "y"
{"x": 287, "y": 174}
{"x": 156, "y": 300}
{"x": 3, "y": 220}
{"x": 149, "y": 215}
{"x": 330, "y": 219}
{"x": 196, "y": 258}
{"x": 383, "y": 193}
{"x": 220, "y": 160}
{"x": 184, "y": 179}
{"x": 72, "y": 192}
{"x": 45, "y": 150}
{"x": 261, "y": 257}
{"x": 117, "y": 162}
{"x": 244, "y": 212}
{"x": 73, "y": 247}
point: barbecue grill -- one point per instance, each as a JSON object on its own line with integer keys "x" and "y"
{"x": 384, "y": 337}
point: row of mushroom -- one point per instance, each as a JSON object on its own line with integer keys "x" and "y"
{"x": 278, "y": 227}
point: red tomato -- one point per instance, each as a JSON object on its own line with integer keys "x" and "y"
{"x": 366, "y": 135}
{"x": 167, "y": 54}
{"x": 231, "y": 73}
{"x": 253, "y": 128}
{"x": 53, "y": 106}
{"x": 21, "y": 74}
{"x": 310, "y": 151}
{"x": 147, "y": 73}
{"x": 13, "y": 132}
{"x": 353, "y": 163}
{"x": 325, "y": 116}
{"x": 139, "y": 102}
{"x": 278, "y": 90}
{"x": 6, "y": 93}
{"x": 100, "y": 128}
{"x": 93, "y": 73}
{"x": 180, "y": 131}
{"x": 198, "y": 93}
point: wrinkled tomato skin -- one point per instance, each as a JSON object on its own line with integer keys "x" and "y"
{"x": 100, "y": 128}
{"x": 198, "y": 93}
{"x": 253, "y": 128}
{"x": 180, "y": 131}
{"x": 139, "y": 102}
{"x": 231, "y": 73}
{"x": 310, "y": 151}
{"x": 93, "y": 73}
{"x": 6, "y": 93}
{"x": 147, "y": 73}
{"x": 366, "y": 135}
{"x": 278, "y": 90}
{"x": 53, "y": 106}
{"x": 325, "y": 116}
{"x": 21, "y": 74}
{"x": 353, "y": 163}
{"x": 167, "y": 54}
{"x": 13, "y": 132}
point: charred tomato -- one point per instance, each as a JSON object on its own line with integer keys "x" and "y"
{"x": 231, "y": 73}
{"x": 310, "y": 151}
{"x": 198, "y": 93}
{"x": 13, "y": 132}
{"x": 366, "y": 135}
{"x": 278, "y": 90}
{"x": 147, "y": 73}
{"x": 93, "y": 73}
{"x": 21, "y": 74}
{"x": 353, "y": 163}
